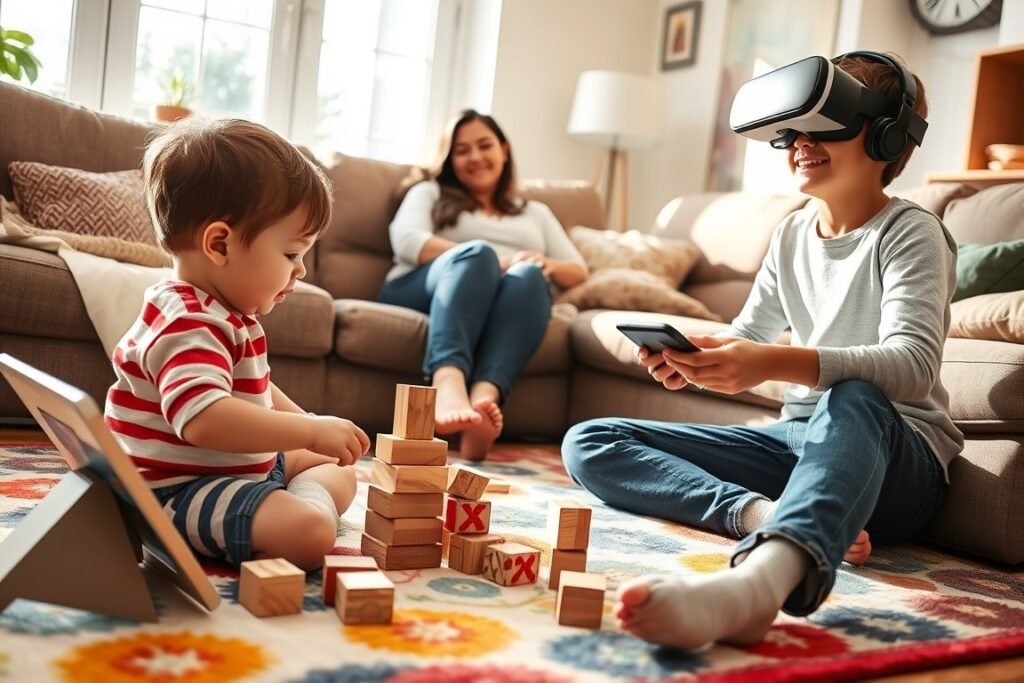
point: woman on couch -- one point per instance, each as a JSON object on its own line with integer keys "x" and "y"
{"x": 480, "y": 261}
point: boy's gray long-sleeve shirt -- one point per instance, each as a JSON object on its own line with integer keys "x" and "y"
{"x": 874, "y": 303}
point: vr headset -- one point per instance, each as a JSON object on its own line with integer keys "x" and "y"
{"x": 815, "y": 97}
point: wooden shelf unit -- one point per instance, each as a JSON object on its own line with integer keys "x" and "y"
{"x": 997, "y": 116}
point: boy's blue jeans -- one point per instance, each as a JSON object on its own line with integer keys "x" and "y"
{"x": 854, "y": 464}
{"x": 482, "y": 321}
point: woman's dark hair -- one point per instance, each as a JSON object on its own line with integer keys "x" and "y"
{"x": 454, "y": 197}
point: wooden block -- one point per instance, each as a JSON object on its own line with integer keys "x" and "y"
{"x": 392, "y": 557}
{"x": 498, "y": 486}
{"x": 467, "y": 516}
{"x": 395, "y": 450}
{"x": 466, "y": 553}
{"x": 414, "y": 411}
{"x": 580, "y": 599}
{"x": 409, "y": 478}
{"x": 566, "y": 560}
{"x": 446, "y": 537}
{"x": 466, "y": 483}
{"x": 270, "y": 588}
{"x": 403, "y": 531}
{"x": 335, "y": 564}
{"x": 511, "y": 564}
{"x": 401, "y": 505}
{"x": 568, "y": 526}
{"x": 364, "y": 598}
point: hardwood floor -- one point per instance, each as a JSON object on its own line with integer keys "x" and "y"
{"x": 1000, "y": 671}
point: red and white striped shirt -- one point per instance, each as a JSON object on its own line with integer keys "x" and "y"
{"x": 185, "y": 352}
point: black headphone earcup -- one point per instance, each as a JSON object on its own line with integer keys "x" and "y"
{"x": 885, "y": 141}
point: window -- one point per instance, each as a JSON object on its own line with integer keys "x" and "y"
{"x": 49, "y": 23}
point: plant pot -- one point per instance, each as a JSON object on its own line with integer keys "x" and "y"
{"x": 168, "y": 112}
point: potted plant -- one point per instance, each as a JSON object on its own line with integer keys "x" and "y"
{"x": 178, "y": 91}
{"x": 16, "y": 59}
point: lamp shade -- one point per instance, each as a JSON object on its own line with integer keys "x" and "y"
{"x": 617, "y": 109}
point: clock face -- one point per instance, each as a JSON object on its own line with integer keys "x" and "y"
{"x": 954, "y": 16}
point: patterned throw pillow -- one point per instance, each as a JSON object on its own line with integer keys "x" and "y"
{"x": 82, "y": 202}
{"x": 623, "y": 289}
{"x": 668, "y": 259}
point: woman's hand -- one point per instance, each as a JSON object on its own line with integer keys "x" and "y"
{"x": 660, "y": 370}
{"x": 726, "y": 365}
{"x": 533, "y": 257}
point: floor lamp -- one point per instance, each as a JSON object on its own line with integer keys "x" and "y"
{"x": 620, "y": 111}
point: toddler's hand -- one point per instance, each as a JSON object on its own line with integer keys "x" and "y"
{"x": 338, "y": 438}
{"x": 660, "y": 370}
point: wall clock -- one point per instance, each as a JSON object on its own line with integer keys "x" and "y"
{"x": 943, "y": 17}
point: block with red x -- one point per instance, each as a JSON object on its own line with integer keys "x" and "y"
{"x": 467, "y": 516}
{"x": 511, "y": 564}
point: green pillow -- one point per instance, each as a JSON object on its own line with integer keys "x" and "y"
{"x": 989, "y": 268}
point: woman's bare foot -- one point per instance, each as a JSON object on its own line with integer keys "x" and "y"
{"x": 860, "y": 551}
{"x": 452, "y": 410}
{"x": 478, "y": 439}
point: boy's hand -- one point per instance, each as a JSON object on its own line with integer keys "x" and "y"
{"x": 338, "y": 438}
{"x": 660, "y": 370}
{"x": 725, "y": 365}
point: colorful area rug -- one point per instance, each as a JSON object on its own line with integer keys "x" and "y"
{"x": 909, "y": 608}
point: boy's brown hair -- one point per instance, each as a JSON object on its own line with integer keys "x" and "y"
{"x": 883, "y": 79}
{"x": 199, "y": 171}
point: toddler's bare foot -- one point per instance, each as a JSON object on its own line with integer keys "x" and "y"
{"x": 860, "y": 551}
{"x": 478, "y": 439}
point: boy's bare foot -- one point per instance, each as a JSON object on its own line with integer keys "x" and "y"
{"x": 860, "y": 551}
{"x": 477, "y": 440}
{"x": 452, "y": 410}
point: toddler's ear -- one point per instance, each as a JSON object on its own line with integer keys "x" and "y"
{"x": 215, "y": 242}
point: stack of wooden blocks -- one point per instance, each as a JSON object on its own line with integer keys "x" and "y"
{"x": 467, "y": 521}
{"x": 580, "y": 595}
{"x": 410, "y": 474}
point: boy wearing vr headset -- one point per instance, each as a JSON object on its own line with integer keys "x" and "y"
{"x": 864, "y": 282}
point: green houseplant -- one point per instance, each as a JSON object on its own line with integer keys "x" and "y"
{"x": 178, "y": 92}
{"x": 16, "y": 59}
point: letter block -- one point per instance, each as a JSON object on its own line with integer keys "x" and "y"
{"x": 414, "y": 412}
{"x": 580, "y": 599}
{"x": 568, "y": 526}
{"x": 364, "y": 598}
{"x": 565, "y": 560}
{"x": 409, "y": 478}
{"x": 466, "y": 553}
{"x": 395, "y": 450}
{"x": 467, "y": 516}
{"x": 335, "y": 564}
{"x": 271, "y": 588}
{"x": 466, "y": 483}
{"x": 511, "y": 564}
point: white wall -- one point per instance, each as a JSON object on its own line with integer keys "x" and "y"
{"x": 542, "y": 48}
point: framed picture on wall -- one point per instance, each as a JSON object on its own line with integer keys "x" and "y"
{"x": 679, "y": 40}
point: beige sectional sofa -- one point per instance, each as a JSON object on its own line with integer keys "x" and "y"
{"x": 335, "y": 350}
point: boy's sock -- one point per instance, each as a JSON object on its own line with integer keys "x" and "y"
{"x": 314, "y": 494}
{"x": 755, "y": 513}
{"x": 735, "y": 605}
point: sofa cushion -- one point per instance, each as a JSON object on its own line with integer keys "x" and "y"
{"x": 989, "y": 269}
{"x": 732, "y": 229}
{"x": 992, "y": 215}
{"x": 39, "y": 298}
{"x": 394, "y": 338}
{"x": 51, "y": 131}
{"x": 596, "y": 343}
{"x": 633, "y": 290}
{"x": 724, "y": 298}
{"x": 668, "y": 259}
{"x": 303, "y": 325}
{"x": 984, "y": 380}
{"x": 935, "y": 197}
{"x": 998, "y": 317}
{"x": 573, "y": 202}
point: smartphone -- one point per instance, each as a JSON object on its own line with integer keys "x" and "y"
{"x": 656, "y": 337}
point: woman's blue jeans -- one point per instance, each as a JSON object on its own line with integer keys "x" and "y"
{"x": 482, "y": 321}
{"x": 854, "y": 464}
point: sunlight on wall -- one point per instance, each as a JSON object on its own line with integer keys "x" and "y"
{"x": 765, "y": 169}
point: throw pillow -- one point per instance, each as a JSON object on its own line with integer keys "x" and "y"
{"x": 14, "y": 226}
{"x": 667, "y": 259}
{"x": 83, "y": 202}
{"x": 998, "y": 317}
{"x": 989, "y": 268}
{"x": 633, "y": 290}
